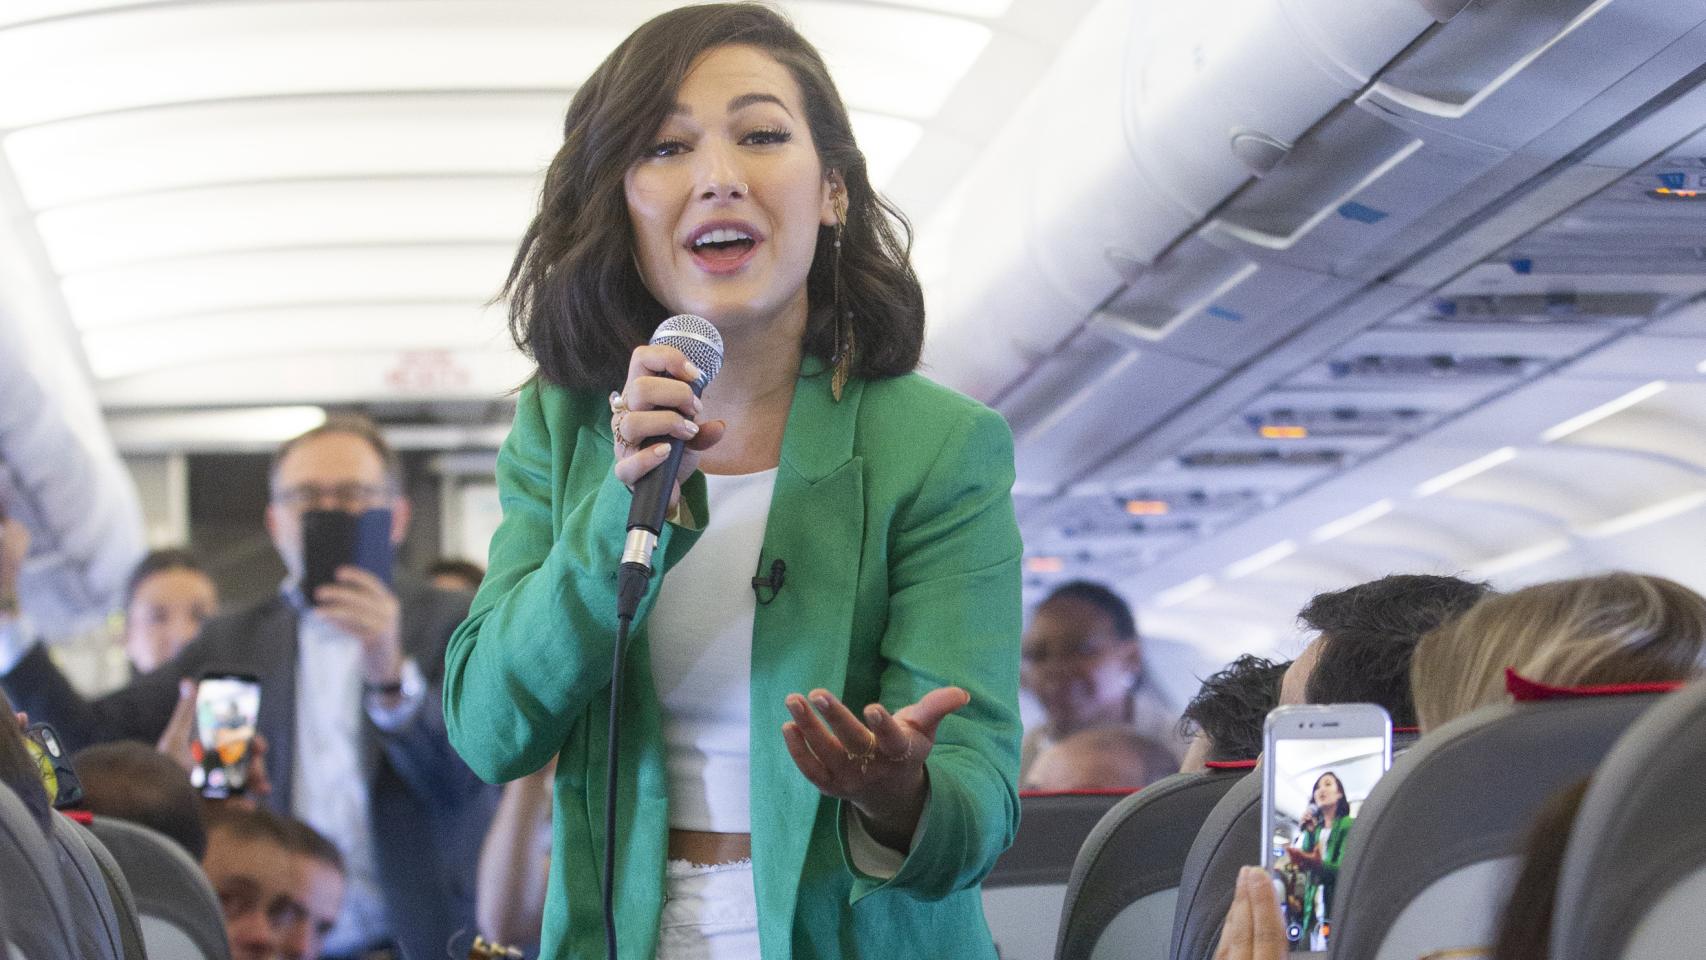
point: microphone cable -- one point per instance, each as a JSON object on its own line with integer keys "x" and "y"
{"x": 609, "y": 881}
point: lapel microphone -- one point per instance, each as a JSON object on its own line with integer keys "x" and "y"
{"x": 773, "y": 582}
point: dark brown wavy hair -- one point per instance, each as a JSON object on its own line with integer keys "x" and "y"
{"x": 577, "y": 304}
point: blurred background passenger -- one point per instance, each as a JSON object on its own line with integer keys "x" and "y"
{"x": 1607, "y": 629}
{"x": 280, "y": 884}
{"x": 1525, "y": 924}
{"x": 1083, "y": 661}
{"x": 1101, "y": 758}
{"x": 132, "y": 781}
{"x": 1224, "y": 720}
{"x": 168, "y": 598}
{"x": 1367, "y": 636}
{"x": 460, "y": 576}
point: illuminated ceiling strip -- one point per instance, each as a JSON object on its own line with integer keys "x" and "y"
{"x": 1262, "y": 560}
{"x": 1635, "y": 519}
{"x": 1452, "y": 478}
{"x": 1604, "y": 410}
{"x": 1185, "y": 592}
{"x": 1352, "y": 521}
{"x": 1527, "y": 556}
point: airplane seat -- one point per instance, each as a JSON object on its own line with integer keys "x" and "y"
{"x": 1633, "y": 880}
{"x": 87, "y": 894}
{"x": 1230, "y": 838}
{"x": 1435, "y": 847}
{"x": 38, "y": 922}
{"x": 1120, "y": 898}
{"x": 178, "y": 912}
{"x": 118, "y": 891}
{"x": 1029, "y": 880}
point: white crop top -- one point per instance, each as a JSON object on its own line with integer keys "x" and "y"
{"x": 700, "y": 633}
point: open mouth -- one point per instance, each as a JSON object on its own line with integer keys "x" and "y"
{"x": 723, "y": 245}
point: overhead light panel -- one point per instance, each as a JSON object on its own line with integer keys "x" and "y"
{"x": 1432, "y": 366}
{"x": 1604, "y": 410}
{"x": 1185, "y": 592}
{"x": 1211, "y": 459}
{"x": 1475, "y": 467}
{"x": 1261, "y": 560}
{"x": 1646, "y": 516}
{"x": 1352, "y": 521}
{"x": 1297, "y": 423}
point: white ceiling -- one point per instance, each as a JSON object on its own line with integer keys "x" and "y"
{"x": 258, "y": 202}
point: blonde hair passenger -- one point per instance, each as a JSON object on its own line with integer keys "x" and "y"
{"x": 1612, "y": 628}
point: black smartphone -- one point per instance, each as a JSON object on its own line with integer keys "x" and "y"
{"x": 227, "y": 707}
{"x": 335, "y": 538}
{"x": 63, "y": 788}
{"x": 1318, "y": 765}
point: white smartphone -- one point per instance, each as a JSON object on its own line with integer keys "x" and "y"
{"x": 1318, "y": 765}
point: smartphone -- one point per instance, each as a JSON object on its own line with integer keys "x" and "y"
{"x": 1318, "y": 765}
{"x": 335, "y": 538}
{"x": 227, "y": 706}
{"x": 63, "y": 788}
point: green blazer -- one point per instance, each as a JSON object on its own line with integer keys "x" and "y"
{"x": 893, "y": 511}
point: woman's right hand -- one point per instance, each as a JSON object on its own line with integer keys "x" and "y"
{"x": 658, "y": 401}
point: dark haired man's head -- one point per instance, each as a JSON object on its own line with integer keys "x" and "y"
{"x": 450, "y": 574}
{"x": 133, "y": 781}
{"x": 344, "y": 464}
{"x": 1081, "y": 657}
{"x": 1367, "y": 635}
{"x": 280, "y": 884}
{"x": 1225, "y": 719}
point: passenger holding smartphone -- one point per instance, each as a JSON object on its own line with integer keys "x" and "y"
{"x": 349, "y": 667}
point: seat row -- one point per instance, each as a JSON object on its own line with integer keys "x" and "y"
{"x": 1433, "y": 858}
{"x": 108, "y": 890}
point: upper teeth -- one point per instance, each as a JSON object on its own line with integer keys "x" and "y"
{"x": 723, "y": 235}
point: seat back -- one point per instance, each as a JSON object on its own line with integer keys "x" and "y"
{"x": 1633, "y": 881}
{"x": 1230, "y": 839}
{"x": 1124, "y": 883}
{"x": 1435, "y": 846}
{"x": 118, "y": 890}
{"x": 178, "y": 912}
{"x": 86, "y": 892}
{"x": 1022, "y": 895}
{"x": 38, "y": 919}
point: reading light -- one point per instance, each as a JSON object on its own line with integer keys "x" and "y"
{"x": 1044, "y": 564}
{"x": 1147, "y": 508}
{"x": 1284, "y": 433}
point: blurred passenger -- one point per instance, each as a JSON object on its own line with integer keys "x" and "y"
{"x": 18, "y": 769}
{"x": 279, "y": 883}
{"x": 350, "y": 704}
{"x": 515, "y": 862}
{"x": 1608, "y": 629}
{"x": 1083, "y": 661}
{"x": 1366, "y": 637}
{"x": 459, "y": 576}
{"x": 1525, "y": 924}
{"x": 1224, "y": 721}
{"x": 167, "y": 600}
{"x": 1101, "y": 758}
{"x": 127, "y": 780}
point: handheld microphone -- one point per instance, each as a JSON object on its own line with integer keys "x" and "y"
{"x": 703, "y": 345}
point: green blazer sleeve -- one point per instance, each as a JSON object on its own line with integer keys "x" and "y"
{"x": 954, "y": 619}
{"x": 538, "y": 641}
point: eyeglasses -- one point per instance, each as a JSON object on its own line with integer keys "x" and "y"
{"x": 344, "y": 496}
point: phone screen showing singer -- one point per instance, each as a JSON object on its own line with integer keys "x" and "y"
{"x": 1319, "y": 786}
{"x": 226, "y": 708}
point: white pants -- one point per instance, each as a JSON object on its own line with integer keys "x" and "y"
{"x": 709, "y": 912}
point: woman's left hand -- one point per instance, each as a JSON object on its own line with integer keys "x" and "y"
{"x": 876, "y": 764}
{"x": 1254, "y": 930}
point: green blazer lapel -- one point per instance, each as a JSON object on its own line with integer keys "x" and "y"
{"x": 800, "y": 640}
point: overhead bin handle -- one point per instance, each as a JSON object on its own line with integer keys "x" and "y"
{"x": 1269, "y": 240}
{"x": 1458, "y": 109}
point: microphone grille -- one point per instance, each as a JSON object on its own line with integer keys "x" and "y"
{"x": 696, "y": 338}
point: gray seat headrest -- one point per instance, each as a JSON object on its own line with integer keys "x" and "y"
{"x": 1230, "y": 839}
{"x": 180, "y": 916}
{"x": 38, "y": 919}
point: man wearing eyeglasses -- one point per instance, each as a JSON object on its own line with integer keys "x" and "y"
{"x": 279, "y": 883}
{"x": 350, "y": 705}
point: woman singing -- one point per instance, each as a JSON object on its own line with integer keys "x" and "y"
{"x": 821, "y": 769}
{"x": 1319, "y": 850}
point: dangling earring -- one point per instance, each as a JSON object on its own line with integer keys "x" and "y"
{"x": 841, "y": 356}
